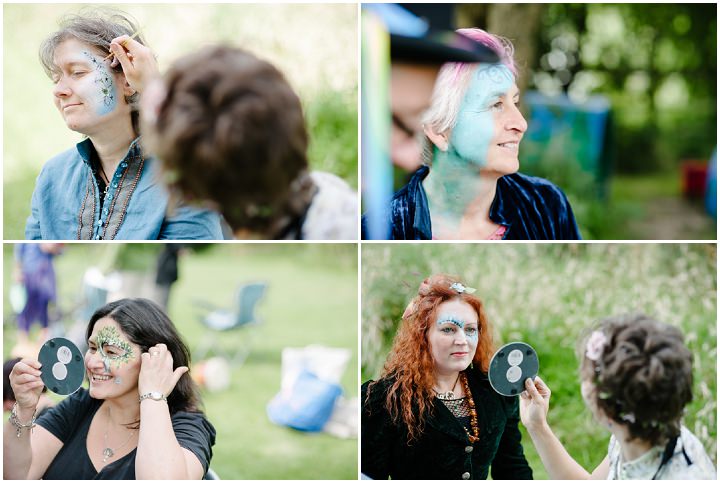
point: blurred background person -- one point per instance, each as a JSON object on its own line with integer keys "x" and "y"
{"x": 34, "y": 270}
{"x": 167, "y": 272}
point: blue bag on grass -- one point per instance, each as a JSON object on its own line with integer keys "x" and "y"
{"x": 307, "y": 406}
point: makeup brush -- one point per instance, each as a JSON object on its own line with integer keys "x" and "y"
{"x": 123, "y": 44}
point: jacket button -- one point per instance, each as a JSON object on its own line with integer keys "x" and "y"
{"x": 468, "y": 449}
{"x": 466, "y": 476}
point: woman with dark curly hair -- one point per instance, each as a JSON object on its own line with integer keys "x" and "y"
{"x": 433, "y": 414}
{"x": 636, "y": 379}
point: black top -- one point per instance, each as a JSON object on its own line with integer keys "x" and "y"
{"x": 70, "y": 422}
{"x": 444, "y": 451}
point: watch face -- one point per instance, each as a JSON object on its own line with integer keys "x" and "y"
{"x": 156, "y": 395}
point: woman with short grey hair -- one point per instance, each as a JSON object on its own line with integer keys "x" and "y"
{"x": 105, "y": 187}
{"x": 469, "y": 187}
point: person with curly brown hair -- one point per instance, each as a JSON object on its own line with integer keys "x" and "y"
{"x": 433, "y": 413}
{"x": 230, "y": 132}
{"x": 636, "y": 380}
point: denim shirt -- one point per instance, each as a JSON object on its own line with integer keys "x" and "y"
{"x": 66, "y": 202}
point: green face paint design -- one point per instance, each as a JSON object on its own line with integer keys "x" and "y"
{"x": 453, "y": 182}
{"x": 113, "y": 347}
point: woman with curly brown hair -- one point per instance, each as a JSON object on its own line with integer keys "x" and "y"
{"x": 433, "y": 414}
{"x": 636, "y": 380}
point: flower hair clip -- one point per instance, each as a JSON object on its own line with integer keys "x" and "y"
{"x": 628, "y": 417}
{"x": 460, "y": 288}
{"x": 595, "y": 345}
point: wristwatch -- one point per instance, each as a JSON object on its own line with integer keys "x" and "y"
{"x": 154, "y": 395}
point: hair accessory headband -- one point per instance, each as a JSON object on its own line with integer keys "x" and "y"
{"x": 460, "y": 288}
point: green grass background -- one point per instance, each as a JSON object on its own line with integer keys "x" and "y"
{"x": 546, "y": 295}
{"x": 311, "y": 299}
{"x": 314, "y": 45}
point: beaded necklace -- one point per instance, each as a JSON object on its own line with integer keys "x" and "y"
{"x": 475, "y": 435}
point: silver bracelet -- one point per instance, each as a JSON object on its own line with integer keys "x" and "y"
{"x": 16, "y": 422}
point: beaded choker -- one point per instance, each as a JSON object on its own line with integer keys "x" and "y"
{"x": 475, "y": 434}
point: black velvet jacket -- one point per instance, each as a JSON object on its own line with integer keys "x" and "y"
{"x": 529, "y": 208}
{"x": 444, "y": 450}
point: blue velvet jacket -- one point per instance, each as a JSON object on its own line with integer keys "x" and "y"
{"x": 529, "y": 208}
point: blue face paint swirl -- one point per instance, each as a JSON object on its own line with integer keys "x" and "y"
{"x": 105, "y": 98}
{"x": 445, "y": 318}
{"x": 470, "y": 332}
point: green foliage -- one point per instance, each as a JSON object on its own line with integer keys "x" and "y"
{"x": 657, "y": 64}
{"x": 311, "y": 299}
{"x": 546, "y": 295}
{"x": 332, "y": 122}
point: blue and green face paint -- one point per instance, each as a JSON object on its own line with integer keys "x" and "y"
{"x": 471, "y": 332}
{"x": 113, "y": 348}
{"x": 104, "y": 95}
{"x": 454, "y": 181}
{"x": 475, "y": 127}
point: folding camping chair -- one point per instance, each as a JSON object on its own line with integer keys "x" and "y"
{"x": 240, "y": 319}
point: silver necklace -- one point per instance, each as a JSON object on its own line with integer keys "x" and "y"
{"x": 108, "y": 452}
{"x": 449, "y": 394}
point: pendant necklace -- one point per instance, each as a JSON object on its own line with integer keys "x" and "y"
{"x": 106, "y": 179}
{"x": 449, "y": 394}
{"x": 108, "y": 452}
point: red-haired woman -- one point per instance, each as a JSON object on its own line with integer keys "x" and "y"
{"x": 433, "y": 414}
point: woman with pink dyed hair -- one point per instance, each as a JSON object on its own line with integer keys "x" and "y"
{"x": 470, "y": 187}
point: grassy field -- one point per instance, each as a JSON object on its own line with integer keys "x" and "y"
{"x": 311, "y": 299}
{"x": 320, "y": 63}
{"x": 546, "y": 294}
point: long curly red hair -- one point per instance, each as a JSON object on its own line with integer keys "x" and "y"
{"x": 410, "y": 367}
